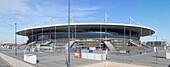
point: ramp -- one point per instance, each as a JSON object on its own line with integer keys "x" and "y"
{"x": 109, "y": 45}
{"x": 71, "y": 43}
{"x": 47, "y": 42}
{"x": 145, "y": 45}
{"x": 31, "y": 43}
{"x": 134, "y": 43}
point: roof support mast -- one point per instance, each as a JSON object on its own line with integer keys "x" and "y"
{"x": 130, "y": 19}
{"x": 74, "y": 27}
{"x": 106, "y": 22}
{"x": 106, "y": 17}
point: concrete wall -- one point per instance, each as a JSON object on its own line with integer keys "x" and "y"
{"x": 15, "y": 62}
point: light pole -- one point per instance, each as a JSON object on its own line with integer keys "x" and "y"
{"x": 68, "y": 51}
{"x": 155, "y": 38}
{"x": 16, "y": 45}
{"x": 165, "y": 43}
{"x": 155, "y": 48}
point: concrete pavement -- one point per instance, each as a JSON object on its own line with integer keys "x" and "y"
{"x": 49, "y": 59}
{"x": 3, "y": 63}
{"x": 147, "y": 59}
{"x": 57, "y": 59}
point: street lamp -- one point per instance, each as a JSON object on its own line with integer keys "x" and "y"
{"x": 16, "y": 45}
{"x": 155, "y": 49}
{"x": 155, "y": 38}
{"x": 68, "y": 45}
{"x": 165, "y": 43}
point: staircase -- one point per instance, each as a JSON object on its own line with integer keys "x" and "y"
{"x": 71, "y": 43}
{"x": 134, "y": 43}
{"x": 31, "y": 43}
{"x": 145, "y": 45}
{"x": 47, "y": 42}
{"x": 109, "y": 45}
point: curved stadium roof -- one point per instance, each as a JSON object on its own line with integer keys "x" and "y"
{"x": 89, "y": 26}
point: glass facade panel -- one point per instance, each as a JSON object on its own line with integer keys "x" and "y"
{"x": 79, "y": 35}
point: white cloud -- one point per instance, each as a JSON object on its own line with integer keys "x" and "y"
{"x": 14, "y": 6}
{"x": 41, "y": 9}
{"x": 85, "y": 19}
{"x": 79, "y": 8}
{"x": 31, "y": 12}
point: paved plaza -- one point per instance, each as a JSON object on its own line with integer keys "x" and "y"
{"x": 3, "y": 63}
{"x": 146, "y": 59}
{"x": 49, "y": 59}
{"x": 57, "y": 59}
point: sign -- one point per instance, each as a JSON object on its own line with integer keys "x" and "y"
{"x": 106, "y": 39}
{"x": 90, "y": 51}
{"x": 155, "y": 49}
{"x": 92, "y": 48}
{"x": 72, "y": 39}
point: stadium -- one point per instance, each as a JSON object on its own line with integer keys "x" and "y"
{"x": 112, "y": 36}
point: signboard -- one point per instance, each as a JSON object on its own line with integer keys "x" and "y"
{"x": 92, "y": 48}
{"x": 122, "y": 51}
{"x": 155, "y": 49}
{"x": 90, "y": 51}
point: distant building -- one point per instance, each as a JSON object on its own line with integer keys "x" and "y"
{"x": 156, "y": 43}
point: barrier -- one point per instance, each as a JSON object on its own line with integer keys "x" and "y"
{"x": 93, "y": 55}
{"x": 167, "y": 54}
{"x": 77, "y": 55}
{"x": 30, "y": 58}
{"x": 98, "y": 57}
{"x": 15, "y": 62}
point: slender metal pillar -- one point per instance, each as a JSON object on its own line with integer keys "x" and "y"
{"x": 124, "y": 28}
{"x": 141, "y": 31}
{"x": 42, "y": 35}
{"x": 32, "y": 35}
{"x": 106, "y": 22}
{"x": 100, "y": 35}
{"x": 55, "y": 35}
{"x": 36, "y": 36}
{"x": 50, "y": 35}
{"x": 74, "y": 27}
{"x": 130, "y": 34}
{"x": 16, "y": 45}
{"x": 68, "y": 52}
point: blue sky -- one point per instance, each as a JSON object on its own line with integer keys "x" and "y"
{"x": 27, "y": 13}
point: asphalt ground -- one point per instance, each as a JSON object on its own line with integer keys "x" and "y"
{"x": 49, "y": 59}
{"x": 146, "y": 59}
{"x": 58, "y": 59}
{"x": 3, "y": 63}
